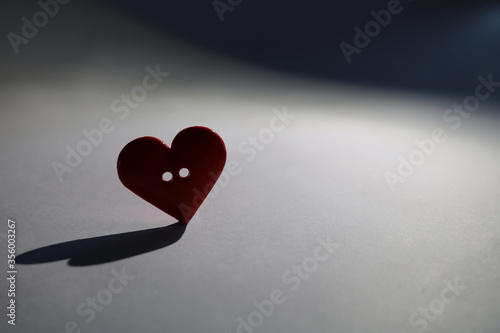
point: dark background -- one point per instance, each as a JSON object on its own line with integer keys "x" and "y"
{"x": 431, "y": 46}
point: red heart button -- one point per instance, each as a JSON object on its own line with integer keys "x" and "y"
{"x": 178, "y": 179}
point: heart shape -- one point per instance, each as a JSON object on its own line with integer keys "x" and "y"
{"x": 157, "y": 173}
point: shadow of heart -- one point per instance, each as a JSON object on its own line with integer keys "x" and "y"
{"x": 104, "y": 249}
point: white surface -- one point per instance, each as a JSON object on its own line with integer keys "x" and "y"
{"x": 321, "y": 176}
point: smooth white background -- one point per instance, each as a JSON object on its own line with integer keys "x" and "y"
{"x": 321, "y": 176}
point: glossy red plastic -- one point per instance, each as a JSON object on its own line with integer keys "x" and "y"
{"x": 152, "y": 170}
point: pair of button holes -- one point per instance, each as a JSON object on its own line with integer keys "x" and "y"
{"x": 168, "y": 176}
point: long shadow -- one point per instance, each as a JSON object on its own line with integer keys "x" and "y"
{"x": 104, "y": 249}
